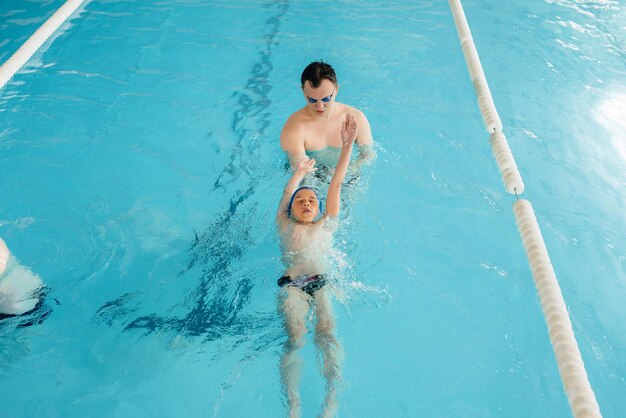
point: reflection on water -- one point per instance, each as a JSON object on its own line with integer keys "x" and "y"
{"x": 587, "y": 8}
{"x": 15, "y": 341}
{"x": 37, "y": 315}
{"x": 217, "y": 304}
{"x": 611, "y": 114}
{"x": 597, "y": 20}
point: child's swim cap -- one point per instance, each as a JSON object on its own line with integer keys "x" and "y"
{"x": 293, "y": 196}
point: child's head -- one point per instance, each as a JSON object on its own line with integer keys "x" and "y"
{"x": 305, "y": 205}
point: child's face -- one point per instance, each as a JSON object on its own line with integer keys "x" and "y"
{"x": 305, "y": 206}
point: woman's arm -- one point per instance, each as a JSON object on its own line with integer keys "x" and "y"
{"x": 364, "y": 137}
{"x": 304, "y": 167}
{"x": 291, "y": 142}
{"x": 348, "y": 135}
{"x": 364, "y": 141}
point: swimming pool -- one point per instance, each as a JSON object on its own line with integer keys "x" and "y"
{"x": 141, "y": 170}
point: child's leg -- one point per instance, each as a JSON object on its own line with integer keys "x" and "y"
{"x": 331, "y": 349}
{"x": 295, "y": 306}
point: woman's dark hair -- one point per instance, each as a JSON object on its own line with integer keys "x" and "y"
{"x": 316, "y": 71}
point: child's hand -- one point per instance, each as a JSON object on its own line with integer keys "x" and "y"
{"x": 306, "y": 166}
{"x": 348, "y": 130}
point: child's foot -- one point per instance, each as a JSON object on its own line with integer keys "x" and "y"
{"x": 330, "y": 407}
{"x": 294, "y": 403}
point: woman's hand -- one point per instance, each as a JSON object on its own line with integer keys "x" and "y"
{"x": 348, "y": 130}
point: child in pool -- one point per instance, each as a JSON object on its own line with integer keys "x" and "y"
{"x": 306, "y": 243}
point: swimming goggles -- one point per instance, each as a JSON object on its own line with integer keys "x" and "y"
{"x": 323, "y": 99}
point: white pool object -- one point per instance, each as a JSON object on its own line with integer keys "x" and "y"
{"x": 4, "y": 255}
{"x": 581, "y": 397}
{"x": 493, "y": 124}
{"x": 18, "y": 285}
{"x": 483, "y": 94}
{"x": 41, "y": 35}
{"x": 571, "y": 367}
{"x": 511, "y": 177}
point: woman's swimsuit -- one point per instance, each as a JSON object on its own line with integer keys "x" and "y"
{"x": 325, "y": 157}
{"x": 308, "y": 283}
{"x": 326, "y": 160}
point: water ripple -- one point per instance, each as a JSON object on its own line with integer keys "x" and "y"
{"x": 219, "y": 300}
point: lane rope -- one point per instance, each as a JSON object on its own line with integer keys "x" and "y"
{"x": 32, "y": 44}
{"x": 580, "y": 395}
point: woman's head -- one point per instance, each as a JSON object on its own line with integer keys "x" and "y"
{"x": 320, "y": 88}
{"x": 305, "y": 205}
{"x": 316, "y": 72}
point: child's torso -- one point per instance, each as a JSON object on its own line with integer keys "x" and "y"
{"x": 306, "y": 248}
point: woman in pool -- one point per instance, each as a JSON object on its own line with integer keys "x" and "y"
{"x": 306, "y": 240}
{"x": 314, "y": 130}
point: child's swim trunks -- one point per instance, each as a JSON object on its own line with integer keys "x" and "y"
{"x": 308, "y": 283}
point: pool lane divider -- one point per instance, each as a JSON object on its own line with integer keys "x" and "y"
{"x": 41, "y": 35}
{"x": 580, "y": 395}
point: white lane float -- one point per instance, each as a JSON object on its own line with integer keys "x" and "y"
{"x": 32, "y": 44}
{"x": 511, "y": 177}
{"x": 571, "y": 367}
{"x": 581, "y": 397}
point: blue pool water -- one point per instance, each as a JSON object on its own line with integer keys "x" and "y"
{"x": 140, "y": 170}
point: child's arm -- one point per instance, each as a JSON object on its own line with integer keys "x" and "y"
{"x": 348, "y": 135}
{"x": 304, "y": 167}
